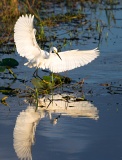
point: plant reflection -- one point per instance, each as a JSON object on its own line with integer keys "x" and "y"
{"x": 27, "y": 120}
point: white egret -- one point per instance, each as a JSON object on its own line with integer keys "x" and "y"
{"x": 26, "y": 44}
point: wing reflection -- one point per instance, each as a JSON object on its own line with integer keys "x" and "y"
{"x": 69, "y": 107}
{"x": 24, "y": 132}
{"x": 27, "y": 120}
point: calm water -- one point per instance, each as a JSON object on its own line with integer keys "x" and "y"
{"x": 92, "y": 131}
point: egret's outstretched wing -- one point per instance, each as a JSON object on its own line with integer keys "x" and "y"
{"x": 24, "y": 37}
{"x": 70, "y": 60}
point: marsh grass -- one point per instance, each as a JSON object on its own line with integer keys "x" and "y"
{"x": 8, "y": 15}
{"x": 46, "y": 14}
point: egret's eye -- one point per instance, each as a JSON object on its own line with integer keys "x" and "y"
{"x": 53, "y": 51}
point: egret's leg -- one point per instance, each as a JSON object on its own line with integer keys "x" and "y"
{"x": 52, "y": 86}
{"x": 36, "y": 99}
{"x": 35, "y": 74}
{"x": 52, "y": 78}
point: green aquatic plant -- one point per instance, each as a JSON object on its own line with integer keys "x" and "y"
{"x": 7, "y": 64}
{"x": 47, "y": 83}
{"x": 8, "y": 91}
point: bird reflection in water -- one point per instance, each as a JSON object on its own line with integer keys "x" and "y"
{"x": 27, "y": 120}
{"x": 24, "y": 132}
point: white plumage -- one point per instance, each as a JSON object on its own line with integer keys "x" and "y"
{"x": 24, "y": 132}
{"x": 26, "y": 44}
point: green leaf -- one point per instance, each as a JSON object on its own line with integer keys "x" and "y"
{"x": 2, "y": 68}
{"x": 50, "y": 85}
{"x": 36, "y": 82}
{"x": 7, "y": 91}
{"x": 10, "y": 62}
{"x": 1, "y": 64}
{"x": 47, "y": 78}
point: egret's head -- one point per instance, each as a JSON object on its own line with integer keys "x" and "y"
{"x": 54, "y": 50}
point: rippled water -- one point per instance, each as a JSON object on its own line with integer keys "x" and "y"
{"x": 81, "y": 130}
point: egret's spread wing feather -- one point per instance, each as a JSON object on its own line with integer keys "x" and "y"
{"x": 70, "y": 60}
{"x": 24, "y": 37}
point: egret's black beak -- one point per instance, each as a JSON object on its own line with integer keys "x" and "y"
{"x": 58, "y": 55}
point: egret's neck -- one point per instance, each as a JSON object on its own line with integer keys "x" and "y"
{"x": 45, "y": 54}
{"x": 51, "y": 50}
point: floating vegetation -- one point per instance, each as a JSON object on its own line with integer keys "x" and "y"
{"x": 114, "y": 89}
{"x": 45, "y": 85}
{"x": 8, "y": 91}
{"x": 60, "y": 18}
{"x": 3, "y": 101}
{"x": 8, "y": 63}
